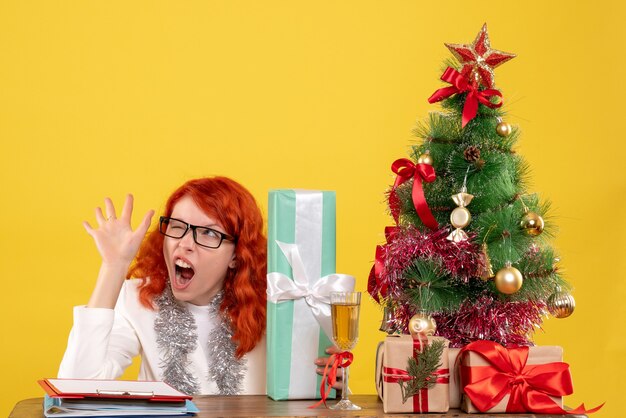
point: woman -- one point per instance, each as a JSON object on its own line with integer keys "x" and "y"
{"x": 196, "y": 315}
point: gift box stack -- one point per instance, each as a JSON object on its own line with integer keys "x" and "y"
{"x": 468, "y": 260}
{"x": 481, "y": 377}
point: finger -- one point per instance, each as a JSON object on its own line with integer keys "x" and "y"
{"x": 321, "y": 361}
{"x": 320, "y": 371}
{"x": 88, "y": 228}
{"x": 339, "y": 377}
{"x": 145, "y": 223}
{"x": 331, "y": 349}
{"x": 110, "y": 209}
{"x": 99, "y": 216}
{"x": 127, "y": 210}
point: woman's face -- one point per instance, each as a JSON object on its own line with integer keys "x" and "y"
{"x": 196, "y": 273}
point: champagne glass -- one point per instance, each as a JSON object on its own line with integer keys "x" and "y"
{"x": 345, "y": 317}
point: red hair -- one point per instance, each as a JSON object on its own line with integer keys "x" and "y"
{"x": 235, "y": 209}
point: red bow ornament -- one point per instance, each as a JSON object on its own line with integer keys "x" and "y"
{"x": 377, "y": 286}
{"x": 405, "y": 170}
{"x": 460, "y": 84}
{"x": 531, "y": 388}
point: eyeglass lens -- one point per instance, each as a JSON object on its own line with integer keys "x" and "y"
{"x": 203, "y": 236}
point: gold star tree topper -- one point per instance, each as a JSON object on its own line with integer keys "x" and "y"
{"x": 479, "y": 59}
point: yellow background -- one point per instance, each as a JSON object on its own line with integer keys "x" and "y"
{"x": 103, "y": 98}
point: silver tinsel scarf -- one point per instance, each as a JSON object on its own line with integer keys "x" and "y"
{"x": 177, "y": 338}
{"x": 224, "y": 368}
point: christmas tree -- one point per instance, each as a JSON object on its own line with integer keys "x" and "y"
{"x": 469, "y": 254}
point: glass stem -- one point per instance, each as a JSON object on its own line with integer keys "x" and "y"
{"x": 344, "y": 392}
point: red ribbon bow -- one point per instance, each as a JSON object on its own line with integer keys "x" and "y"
{"x": 460, "y": 84}
{"x": 405, "y": 169}
{"x": 376, "y": 287}
{"x": 343, "y": 359}
{"x": 529, "y": 386}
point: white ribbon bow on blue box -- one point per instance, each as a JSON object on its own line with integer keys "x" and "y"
{"x": 316, "y": 295}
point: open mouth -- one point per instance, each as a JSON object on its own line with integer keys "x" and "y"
{"x": 184, "y": 273}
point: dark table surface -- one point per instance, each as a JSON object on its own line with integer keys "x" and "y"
{"x": 262, "y": 406}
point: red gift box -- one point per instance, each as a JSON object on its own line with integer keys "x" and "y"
{"x": 498, "y": 379}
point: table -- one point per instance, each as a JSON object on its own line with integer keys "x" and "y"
{"x": 262, "y": 406}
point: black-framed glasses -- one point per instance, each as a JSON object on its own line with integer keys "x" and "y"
{"x": 203, "y": 236}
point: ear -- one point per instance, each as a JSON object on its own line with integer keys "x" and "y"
{"x": 233, "y": 262}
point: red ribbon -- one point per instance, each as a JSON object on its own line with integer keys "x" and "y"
{"x": 529, "y": 386}
{"x": 460, "y": 84}
{"x": 375, "y": 285}
{"x": 395, "y": 375}
{"x": 343, "y": 359}
{"x": 405, "y": 169}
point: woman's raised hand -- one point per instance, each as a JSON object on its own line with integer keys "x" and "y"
{"x": 115, "y": 239}
{"x": 118, "y": 244}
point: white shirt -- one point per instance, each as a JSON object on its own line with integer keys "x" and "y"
{"x": 103, "y": 342}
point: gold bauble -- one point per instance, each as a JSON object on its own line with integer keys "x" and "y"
{"x": 532, "y": 224}
{"x": 422, "y": 324}
{"x": 460, "y": 217}
{"x": 508, "y": 280}
{"x": 425, "y": 159}
{"x": 561, "y": 304}
{"x": 503, "y": 129}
